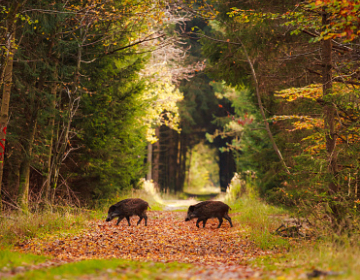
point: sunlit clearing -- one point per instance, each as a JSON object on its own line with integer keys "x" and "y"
{"x": 202, "y": 177}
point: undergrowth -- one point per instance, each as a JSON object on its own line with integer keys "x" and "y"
{"x": 16, "y": 226}
{"x": 261, "y": 218}
{"x": 292, "y": 258}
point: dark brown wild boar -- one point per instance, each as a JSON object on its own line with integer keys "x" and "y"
{"x": 127, "y": 208}
{"x": 208, "y": 209}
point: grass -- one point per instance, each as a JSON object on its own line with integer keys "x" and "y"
{"x": 323, "y": 255}
{"x": 106, "y": 269}
{"x": 260, "y": 218}
{"x": 16, "y": 226}
{"x": 10, "y": 259}
{"x": 292, "y": 259}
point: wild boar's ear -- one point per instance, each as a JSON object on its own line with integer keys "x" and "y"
{"x": 191, "y": 208}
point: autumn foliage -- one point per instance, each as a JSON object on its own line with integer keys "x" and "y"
{"x": 167, "y": 238}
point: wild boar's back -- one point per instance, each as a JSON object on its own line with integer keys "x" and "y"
{"x": 211, "y": 209}
{"x": 132, "y": 206}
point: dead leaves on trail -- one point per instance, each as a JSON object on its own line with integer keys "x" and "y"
{"x": 167, "y": 238}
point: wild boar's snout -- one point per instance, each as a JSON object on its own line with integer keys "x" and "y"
{"x": 108, "y": 219}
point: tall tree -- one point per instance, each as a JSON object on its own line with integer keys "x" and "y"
{"x": 6, "y": 68}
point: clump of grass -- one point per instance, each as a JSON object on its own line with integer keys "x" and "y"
{"x": 17, "y": 226}
{"x": 305, "y": 256}
{"x": 260, "y": 217}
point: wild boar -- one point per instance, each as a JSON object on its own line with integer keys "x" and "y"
{"x": 127, "y": 208}
{"x": 209, "y": 209}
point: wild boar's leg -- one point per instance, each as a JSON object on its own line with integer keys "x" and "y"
{"x": 198, "y": 222}
{"x": 220, "y": 221}
{"x": 229, "y": 219}
{"x": 141, "y": 217}
{"x": 204, "y": 222}
{"x": 128, "y": 219}
{"x": 145, "y": 217}
{"x": 119, "y": 220}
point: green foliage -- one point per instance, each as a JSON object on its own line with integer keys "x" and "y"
{"x": 112, "y": 131}
{"x": 250, "y": 145}
{"x": 81, "y": 113}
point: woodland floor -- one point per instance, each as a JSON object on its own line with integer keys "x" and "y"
{"x": 212, "y": 253}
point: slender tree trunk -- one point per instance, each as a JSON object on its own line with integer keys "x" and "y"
{"x": 8, "y": 37}
{"x": 63, "y": 139}
{"x": 156, "y": 157}
{"x": 52, "y": 131}
{"x": 183, "y": 159}
{"x": 172, "y": 152}
{"x": 55, "y": 181}
{"x": 25, "y": 168}
{"x": 189, "y": 169}
{"x": 149, "y": 160}
{"x": 266, "y": 123}
{"x": 179, "y": 171}
{"x": 4, "y": 114}
{"x": 329, "y": 109}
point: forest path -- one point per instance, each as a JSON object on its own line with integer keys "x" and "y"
{"x": 216, "y": 253}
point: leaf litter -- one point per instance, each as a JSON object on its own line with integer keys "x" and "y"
{"x": 216, "y": 253}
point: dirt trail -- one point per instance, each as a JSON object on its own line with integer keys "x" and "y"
{"x": 217, "y": 253}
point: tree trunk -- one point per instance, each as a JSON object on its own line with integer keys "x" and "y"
{"x": 183, "y": 160}
{"x": 149, "y": 160}
{"x": 172, "y": 153}
{"x": 52, "y": 131}
{"x": 25, "y": 168}
{"x": 63, "y": 138}
{"x": 6, "y": 37}
{"x": 156, "y": 157}
{"x": 258, "y": 95}
{"x": 189, "y": 169}
{"x": 329, "y": 109}
{"x": 4, "y": 114}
